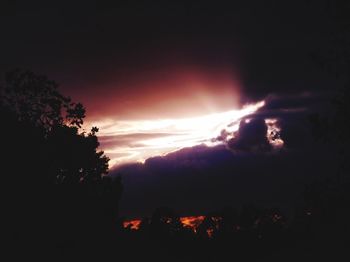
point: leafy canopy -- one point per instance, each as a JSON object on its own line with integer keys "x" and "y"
{"x": 33, "y": 103}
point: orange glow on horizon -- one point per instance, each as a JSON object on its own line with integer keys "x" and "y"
{"x": 133, "y": 224}
{"x": 192, "y": 222}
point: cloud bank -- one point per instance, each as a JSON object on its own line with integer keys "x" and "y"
{"x": 245, "y": 167}
{"x": 137, "y": 140}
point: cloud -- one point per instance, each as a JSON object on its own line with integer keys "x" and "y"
{"x": 199, "y": 178}
{"x": 137, "y": 140}
{"x": 129, "y": 140}
{"x": 291, "y": 112}
{"x": 251, "y": 136}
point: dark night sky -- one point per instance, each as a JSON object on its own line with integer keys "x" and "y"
{"x": 130, "y": 60}
{"x": 83, "y": 43}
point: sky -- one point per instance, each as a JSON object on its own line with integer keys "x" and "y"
{"x": 137, "y": 140}
{"x": 186, "y": 89}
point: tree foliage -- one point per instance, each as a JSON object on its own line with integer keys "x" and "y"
{"x": 34, "y": 101}
{"x": 60, "y": 196}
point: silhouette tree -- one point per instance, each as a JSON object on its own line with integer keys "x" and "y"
{"x": 165, "y": 222}
{"x": 60, "y": 196}
{"x": 34, "y": 101}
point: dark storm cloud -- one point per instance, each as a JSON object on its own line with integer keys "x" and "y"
{"x": 297, "y": 101}
{"x": 251, "y": 136}
{"x": 290, "y": 113}
{"x": 210, "y": 177}
{"x": 293, "y": 113}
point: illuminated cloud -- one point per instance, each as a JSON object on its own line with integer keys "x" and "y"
{"x": 265, "y": 125}
{"x": 137, "y": 140}
{"x": 273, "y": 132}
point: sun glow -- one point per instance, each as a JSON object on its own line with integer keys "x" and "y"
{"x": 137, "y": 140}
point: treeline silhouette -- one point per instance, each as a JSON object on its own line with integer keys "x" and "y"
{"x": 318, "y": 231}
{"x": 58, "y": 197}
{"x": 61, "y": 204}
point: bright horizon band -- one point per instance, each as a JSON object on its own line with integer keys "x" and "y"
{"x": 137, "y": 140}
